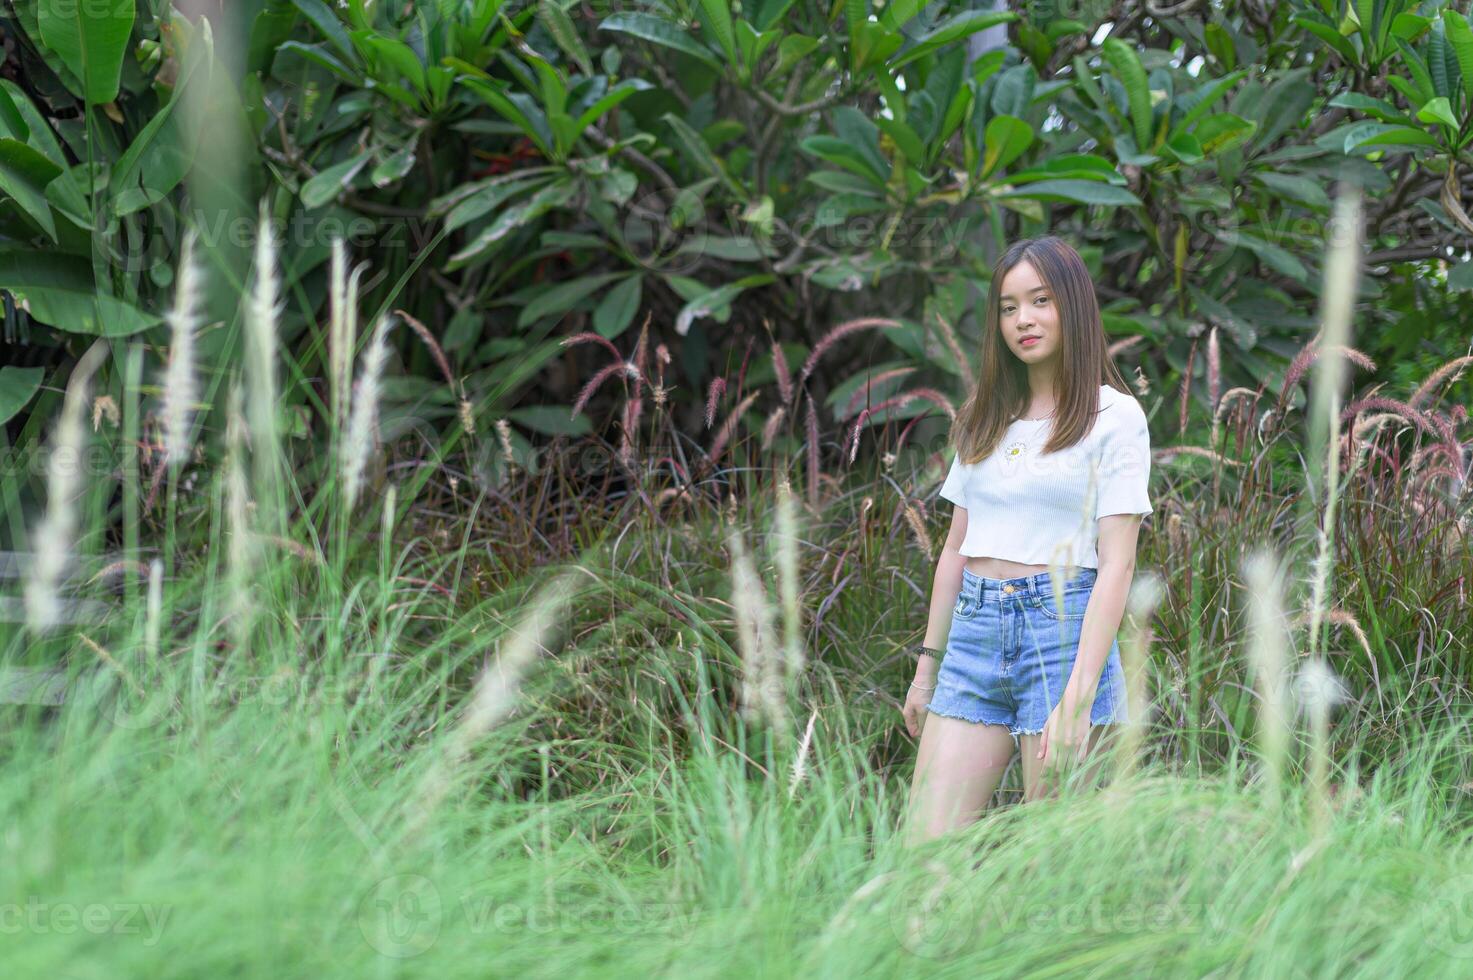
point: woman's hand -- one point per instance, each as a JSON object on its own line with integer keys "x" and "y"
{"x": 1066, "y": 735}
{"x": 916, "y": 700}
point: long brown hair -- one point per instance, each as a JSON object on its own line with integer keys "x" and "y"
{"x": 1001, "y": 395}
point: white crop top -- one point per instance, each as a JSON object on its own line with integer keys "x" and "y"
{"x": 1035, "y": 509}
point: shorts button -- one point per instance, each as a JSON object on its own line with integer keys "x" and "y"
{"x": 1007, "y": 588}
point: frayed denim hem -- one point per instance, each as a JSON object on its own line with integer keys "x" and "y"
{"x": 1093, "y": 724}
{"x": 960, "y": 717}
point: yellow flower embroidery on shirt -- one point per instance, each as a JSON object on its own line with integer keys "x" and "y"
{"x": 1014, "y": 450}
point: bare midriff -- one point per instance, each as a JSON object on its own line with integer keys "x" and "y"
{"x": 988, "y": 567}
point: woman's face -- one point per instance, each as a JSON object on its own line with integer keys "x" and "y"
{"x": 1026, "y": 309}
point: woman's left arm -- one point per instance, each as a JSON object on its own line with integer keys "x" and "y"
{"x": 1116, "y": 567}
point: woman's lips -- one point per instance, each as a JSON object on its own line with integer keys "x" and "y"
{"x": 1028, "y": 341}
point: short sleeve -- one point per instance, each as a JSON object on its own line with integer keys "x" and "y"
{"x": 955, "y": 484}
{"x": 1125, "y": 463}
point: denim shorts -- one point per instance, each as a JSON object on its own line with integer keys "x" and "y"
{"x": 1010, "y": 653}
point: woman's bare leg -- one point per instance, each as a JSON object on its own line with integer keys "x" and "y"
{"x": 958, "y": 768}
{"x": 1036, "y": 784}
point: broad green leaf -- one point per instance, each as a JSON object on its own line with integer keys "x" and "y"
{"x": 717, "y": 19}
{"x": 765, "y": 13}
{"x": 1076, "y": 191}
{"x": 1459, "y": 277}
{"x": 512, "y": 218}
{"x": 839, "y": 208}
{"x": 553, "y": 420}
{"x": 394, "y": 166}
{"x": 1441, "y": 62}
{"x": 67, "y": 195}
{"x": 17, "y": 385}
{"x": 1460, "y": 36}
{"x": 560, "y": 26}
{"x": 1006, "y": 139}
{"x": 24, "y": 174}
{"x": 616, "y": 310}
{"x": 905, "y": 138}
{"x": 1071, "y": 164}
{"x": 1439, "y": 111}
{"x": 1273, "y": 256}
{"x": 732, "y": 249}
{"x": 1200, "y": 102}
{"x": 712, "y": 303}
{"x": 840, "y": 153}
{"x": 331, "y": 27}
{"x": 791, "y": 50}
{"x": 1185, "y": 147}
{"x": 694, "y": 145}
{"x": 1409, "y": 27}
{"x": 563, "y": 296}
{"x": 1127, "y": 66}
{"x": 1371, "y": 106}
{"x": 11, "y": 119}
{"x": 1339, "y": 42}
{"x": 327, "y": 184}
{"x": 861, "y": 133}
{"x": 319, "y": 55}
{"x": 870, "y": 44}
{"x": 396, "y": 55}
{"x": 1296, "y": 187}
{"x": 842, "y": 182}
{"x": 952, "y": 29}
{"x": 897, "y": 13}
{"x": 91, "y": 39}
{"x": 125, "y": 170}
{"x": 514, "y": 107}
{"x": 1220, "y": 131}
{"x": 60, "y": 291}
{"x": 1421, "y": 77}
{"x": 1382, "y": 134}
{"x": 610, "y": 99}
{"x": 657, "y": 30}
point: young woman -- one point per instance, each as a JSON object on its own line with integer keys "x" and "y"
{"x": 1050, "y": 485}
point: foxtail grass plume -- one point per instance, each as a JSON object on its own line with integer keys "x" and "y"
{"x": 263, "y": 310}
{"x": 152, "y": 623}
{"x": 1268, "y": 652}
{"x": 180, "y": 386}
{"x": 1342, "y": 270}
{"x": 240, "y": 548}
{"x": 1146, "y": 594}
{"x": 54, "y": 537}
{"x": 362, "y": 435}
{"x": 762, "y": 694}
{"x": 492, "y": 700}
{"x": 341, "y": 330}
{"x": 785, "y": 544}
{"x": 800, "y": 761}
{"x": 1318, "y": 689}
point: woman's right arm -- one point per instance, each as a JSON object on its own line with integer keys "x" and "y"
{"x": 945, "y": 586}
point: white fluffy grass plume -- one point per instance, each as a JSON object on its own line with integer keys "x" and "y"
{"x": 52, "y": 539}
{"x": 180, "y": 386}
{"x": 362, "y": 434}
